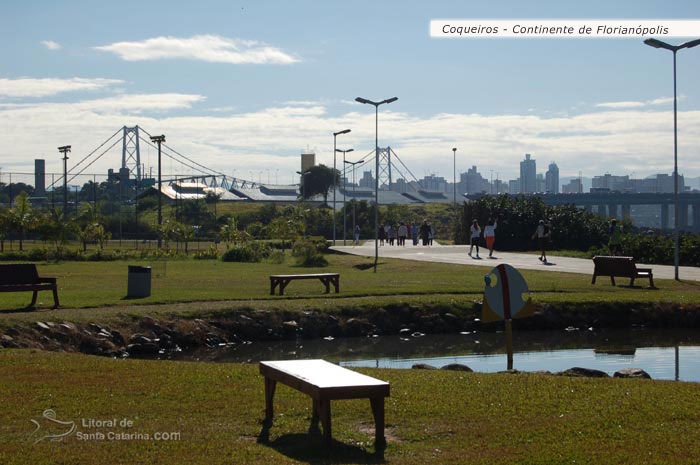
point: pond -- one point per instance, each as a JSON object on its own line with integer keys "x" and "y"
{"x": 664, "y": 354}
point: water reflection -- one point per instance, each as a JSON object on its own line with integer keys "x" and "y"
{"x": 664, "y": 354}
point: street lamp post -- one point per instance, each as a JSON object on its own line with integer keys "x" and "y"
{"x": 159, "y": 140}
{"x": 344, "y": 212}
{"x": 64, "y": 150}
{"x": 674, "y": 48}
{"x": 454, "y": 175}
{"x": 354, "y": 200}
{"x": 335, "y": 136}
{"x": 376, "y": 170}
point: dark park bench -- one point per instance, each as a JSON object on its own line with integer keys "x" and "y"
{"x": 622, "y": 267}
{"x": 283, "y": 279}
{"x": 325, "y": 381}
{"x": 24, "y": 278}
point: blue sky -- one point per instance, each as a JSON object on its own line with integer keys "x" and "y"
{"x": 248, "y": 85}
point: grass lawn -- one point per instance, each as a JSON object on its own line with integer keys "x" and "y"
{"x": 103, "y": 284}
{"x": 432, "y": 416}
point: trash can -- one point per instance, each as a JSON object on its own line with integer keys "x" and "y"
{"x": 139, "y": 283}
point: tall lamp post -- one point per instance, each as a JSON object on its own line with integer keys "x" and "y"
{"x": 159, "y": 140}
{"x": 335, "y": 136}
{"x": 454, "y": 175}
{"x": 64, "y": 150}
{"x": 344, "y": 212}
{"x": 376, "y": 170}
{"x": 354, "y": 200}
{"x": 674, "y": 48}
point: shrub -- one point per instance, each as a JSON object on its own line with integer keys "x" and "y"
{"x": 210, "y": 254}
{"x": 308, "y": 253}
{"x": 276, "y": 257}
{"x": 247, "y": 252}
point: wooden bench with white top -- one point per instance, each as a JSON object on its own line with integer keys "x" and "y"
{"x": 623, "y": 267}
{"x": 283, "y": 279}
{"x": 325, "y": 381}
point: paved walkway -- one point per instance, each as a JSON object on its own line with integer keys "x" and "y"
{"x": 458, "y": 254}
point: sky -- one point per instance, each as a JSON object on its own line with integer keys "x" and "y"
{"x": 245, "y": 87}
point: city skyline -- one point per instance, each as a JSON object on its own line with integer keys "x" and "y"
{"x": 242, "y": 93}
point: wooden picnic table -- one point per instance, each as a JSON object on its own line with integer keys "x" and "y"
{"x": 325, "y": 381}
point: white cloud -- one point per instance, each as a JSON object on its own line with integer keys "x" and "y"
{"x": 51, "y": 45}
{"x": 633, "y": 104}
{"x": 272, "y": 138}
{"x": 29, "y": 87}
{"x": 209, "y": 48}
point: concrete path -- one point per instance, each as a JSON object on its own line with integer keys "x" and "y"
{"x": 458, "y": 254}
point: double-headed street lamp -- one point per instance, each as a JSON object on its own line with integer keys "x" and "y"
{"x": 344, "y": 212}
{"x": 376, "y": 170}
{"x": 335, "y": 135}
{"x": 159, "y": 140}
{"x": 64, "y": 150}
{"x": 354, "y": 200}
{"x": 674, "y": 48}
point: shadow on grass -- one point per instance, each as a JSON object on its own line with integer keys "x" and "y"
{"x": 311, "y": 448}
{"x": 366, "y": 266}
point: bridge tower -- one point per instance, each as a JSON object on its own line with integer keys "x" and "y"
{"x": 131, "y": 154}
{"x": 384, "y": 174}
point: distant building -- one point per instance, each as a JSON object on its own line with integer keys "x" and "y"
{"x": 514, "y": 186}
{"x": 574, "y": 187}
{"x": 308, "y": 160}
{"x": 528, "y": 175}
{"x": 658, "y": 183}
{"x": 552, "y": 179}
{"x": 473, "y": 182}
{"x": 500, "y": 187}
{"x": 612, "y": 183}
{"x": 367, "y": 180}
{"x": 434, "y": 183}
{"x": 540, "y": 183}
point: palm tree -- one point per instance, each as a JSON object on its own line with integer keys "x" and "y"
{"x": 22, "y": 216}
{"x": 58, "y": 228}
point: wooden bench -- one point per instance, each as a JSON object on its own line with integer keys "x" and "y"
{"x": 24, "y": 278}
{"x": 623, "y": 267}
{"x": 325, "y": 381}
{"x": 283, "y": 279}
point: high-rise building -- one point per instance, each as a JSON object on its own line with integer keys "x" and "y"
{"x": 39, "y": 177}
{"x": 473, "y": 182}
{"x": 367, "y": 180}
{"x": 514, "y": 186}
{"x": 552, "y": 179}
{"x": 528, "y": 175}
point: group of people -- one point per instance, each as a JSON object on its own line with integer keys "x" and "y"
{"x": 397, "y": 234}
{"x": 489, "y": 236}
{"x": 542, "y": 234}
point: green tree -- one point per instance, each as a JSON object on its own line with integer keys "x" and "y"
{"x": 184, "y": 233}
{"x": 22, "y": 216}
{"x": 5, "y": 227}
{"x": 318, "y": 180}
{"x": 58, "y": 228}
{"x": 229, "y": 233}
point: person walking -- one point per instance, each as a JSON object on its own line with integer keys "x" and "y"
{"x": 392, "y": 234}
{"x": 425, "y": 232}
{"x": 403, "y": 232}
{"x": 414, "y": 233}
{"x": 474, "y": 234}
{"x": 615, "y": 242}
{"x": 357, "y": 234}
{"x": 542, "y": 234}
{"x": 432, "y": 232}
{"x": 490, "y": 235}
{"x": 382, "y": 235}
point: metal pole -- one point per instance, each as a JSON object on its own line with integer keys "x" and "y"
{"x": 376, "y": 186}
{"x": 354, "y": 200}
{"x": 335, "y": 136}
{"x": 65, "y": 183}
{"x": 454, "y": 175}
{"x": 160, "y": 198}
{"x": 675, "y": 174}
{"x": 345, "y": 213}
